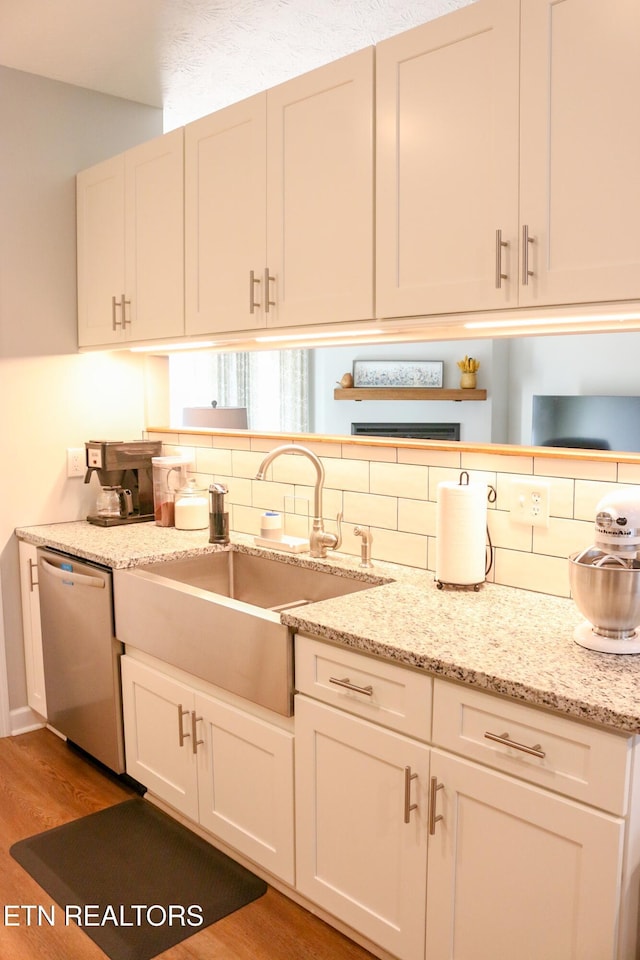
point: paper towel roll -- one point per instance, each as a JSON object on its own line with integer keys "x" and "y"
{"x": 461, "y": 524}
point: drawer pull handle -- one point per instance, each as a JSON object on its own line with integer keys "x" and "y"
{"x": 408, "y": 806}
{"x": 346, "y": 683}
{"x": 534, "y": 751}
{"x": 434, "y": 786}
{"x": 182, "y": 736}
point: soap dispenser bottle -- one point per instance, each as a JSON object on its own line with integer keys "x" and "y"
{"x": 218, "y": 518}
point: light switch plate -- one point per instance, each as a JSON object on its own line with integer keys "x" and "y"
{"x": 530, "y": 502}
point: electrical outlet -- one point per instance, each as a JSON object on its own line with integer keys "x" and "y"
{"x": 530, "y": 502}
{"x": 76, "y": 465}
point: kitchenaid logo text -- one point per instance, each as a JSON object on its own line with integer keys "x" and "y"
{"x": 93, "y": 915}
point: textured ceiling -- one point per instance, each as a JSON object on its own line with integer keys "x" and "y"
{"x": 194, "y": 56}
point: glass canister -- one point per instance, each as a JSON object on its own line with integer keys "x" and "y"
{"x": 169, "y": 476}
{"x": 191, "y": 507}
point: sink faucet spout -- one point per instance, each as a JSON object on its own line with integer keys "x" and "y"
{"x": 319, "y": 541}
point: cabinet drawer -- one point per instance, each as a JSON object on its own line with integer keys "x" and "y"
{"x": 382, "y": 692}
{"x": 571, "y": 758}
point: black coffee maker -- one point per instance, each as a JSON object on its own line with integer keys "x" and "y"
{"x": 125, "y": 467}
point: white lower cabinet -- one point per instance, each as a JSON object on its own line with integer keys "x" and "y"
{"x": 530, "y": 852}
{"x": 31, "y": 631}
{"x": 361, "y": 843}
{"x": 514, "y": 870}
{"x": 225, "y": 769}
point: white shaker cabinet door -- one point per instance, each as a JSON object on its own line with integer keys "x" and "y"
{"x": 245, "y": 774}
{"x": 225, "y": 219}
{"x": 158, "y": 732}
{"x": 580, "y": 150}
{"x": 154, "y": 238}
{"x": 101, "y": 270}
{"x": 32, "y": 631}
{"x": 517, "y": 871}
{"x": 320, "y": 194}
{"x": 447, "y": 164}
{"x": 361, "y": 846}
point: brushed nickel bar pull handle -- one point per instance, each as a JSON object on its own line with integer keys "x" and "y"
{"x": 434, "y": 786}
{"x": 267, "y": 302}
{"x": 115, "y": 323}
{"x": 346, "y": 683}
{"x": 182, "y": 736}
{"x": 504, "y": 739}
{"x": 125, "y": 322}
{"x": 194, "y": 733}
{"x": 526, "y": 240}
{"x": 408, "y": 806}
{"x": 252, "y": 282}
{"x": 32, "y": 583}
{"x": 500, "y": 243}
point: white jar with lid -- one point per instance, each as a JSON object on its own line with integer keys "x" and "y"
{"x": 191, "y": 507}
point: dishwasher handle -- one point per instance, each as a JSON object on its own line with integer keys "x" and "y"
{"x": 70, "y": 577}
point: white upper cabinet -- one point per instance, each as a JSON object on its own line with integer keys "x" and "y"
{"x": 130, "y": 245}
{"x": 279, "y": 205}
{"x": 225, "y": 218}
{"x": 453, "y": 167}
{"x": 320, "y": 194}
{"x": 580, "y": 150}
{"x": 447, "y": 163}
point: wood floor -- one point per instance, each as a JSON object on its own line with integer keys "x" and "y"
{"x": 43, "y": 784}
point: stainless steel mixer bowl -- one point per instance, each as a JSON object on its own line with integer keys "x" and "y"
{"x": 608, "y": 595}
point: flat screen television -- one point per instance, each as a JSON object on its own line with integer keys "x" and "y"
{"x": 592, "y": 423}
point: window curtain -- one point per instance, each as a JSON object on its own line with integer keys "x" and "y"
{"x": 273, "y": 385}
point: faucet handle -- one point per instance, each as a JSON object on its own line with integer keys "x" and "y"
{"x": 339, "y": 537}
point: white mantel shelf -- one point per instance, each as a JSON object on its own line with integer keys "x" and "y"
{"x": 406, "y": 393}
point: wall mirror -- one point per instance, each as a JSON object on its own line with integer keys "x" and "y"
{"x": 513, "y": 370}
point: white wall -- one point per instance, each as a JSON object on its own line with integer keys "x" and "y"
{"x": 595, "y": 363}
{"x": 50, "y": 397}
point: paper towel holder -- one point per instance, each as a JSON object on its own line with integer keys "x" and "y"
{"x": 492, "y": 495}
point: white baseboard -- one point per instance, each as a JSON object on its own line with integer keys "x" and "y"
{"x": 23, "y": 720}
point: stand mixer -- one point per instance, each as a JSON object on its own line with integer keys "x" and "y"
{"x": 605, "y": 577}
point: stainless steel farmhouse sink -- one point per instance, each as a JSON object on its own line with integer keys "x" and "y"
{"x": 217, "y": 616}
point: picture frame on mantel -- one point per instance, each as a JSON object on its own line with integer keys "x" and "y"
{"x": 398, "y": 373}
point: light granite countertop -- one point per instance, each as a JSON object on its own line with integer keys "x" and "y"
{"x": 507, "y": 641}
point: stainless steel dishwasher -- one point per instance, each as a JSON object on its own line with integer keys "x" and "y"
{"x": 81, "y": 655}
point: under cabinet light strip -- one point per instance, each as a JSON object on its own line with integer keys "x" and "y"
{"x": 318, "y": 336}
{"x": 546, "y": 321}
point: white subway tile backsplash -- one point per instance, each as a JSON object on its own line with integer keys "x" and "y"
{"x": 505, "y": 533}
{"x": 397, "y": 479}
{"x": 370, "y": 509}
{"x": 417, "y": 516}
{"x": 562, "y": 537}
{"x": 583, "y": 469}
{"x": 347, "y": 474}
{"x": 588, "y": 495}
{"x": 269, "y": 495}
{"x": 362, "y": 452}
{"x": 530, "y": 571}
{"x": 393, "y": 490}
{"x": 213, "y": 461}
{"x": 494, "y": 462}
{"x": 245, "y": 463}
{"x": 629, "y": 473}
{"x": 396, "y": 547}
{"x": 430, "y": 458}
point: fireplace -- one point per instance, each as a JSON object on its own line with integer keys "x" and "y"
{"x": 413, "y": 431}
